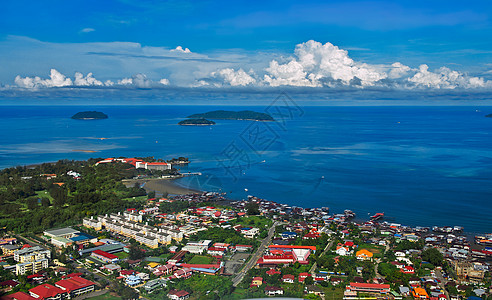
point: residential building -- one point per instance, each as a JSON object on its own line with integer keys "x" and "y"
{"x": 178, "y": 295}
{"x": 273, "y": 290}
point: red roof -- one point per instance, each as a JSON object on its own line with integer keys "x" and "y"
{"x": 349, "y": 244}
{"x": 26, "y": 246}
{"x": 370, "y": 285}
{"x": 18, "y": 296}
{"x": 313, "y": 248}
{"x": 273, "y": 272}
{"x": 74, "y": 283}
{"x": 46, "y": 291}
{"x": 104, "y": 254}
{"x": 288, "y": 276}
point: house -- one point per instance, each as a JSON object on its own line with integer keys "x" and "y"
{"x": 342, "y": 251}
{"x": 273, "y": 290}
{"x": 303, "y": 276}
{"x": 335, "y": 281}
{"x": 257, "y": 281}
{"x": 272, "y": 272}
{"x": 178, "y": 295}
{"x": 164, "y": 270}
{"x": 244, "y": 248}
{"x": 153, "y": 285}
{"x": 249, "y": 232}
{"x": 133, "y": 280}
{"x": 364, "y": 254}
{"x": 420, "y": 293}
{"x": 288, "y": 278}
{"x": 408, "y": 270}
{"x": 313, "y": 289}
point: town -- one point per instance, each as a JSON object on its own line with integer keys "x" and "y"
{"x": 204, "y": 246}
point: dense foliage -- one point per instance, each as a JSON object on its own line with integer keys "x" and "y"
{"x": 234, "y": 115}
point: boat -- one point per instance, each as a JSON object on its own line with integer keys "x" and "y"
{"x": 377, "y": 216}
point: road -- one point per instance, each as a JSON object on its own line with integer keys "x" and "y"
{"x": 254, "y": 257}
{"x": 442, "y": 282}
{"x": 313, "y": 267}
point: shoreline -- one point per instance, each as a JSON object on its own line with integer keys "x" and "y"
{"x": 161, "y": 186}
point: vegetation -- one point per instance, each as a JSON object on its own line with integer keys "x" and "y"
{"x": 90, "y": 115}
{"x": 196, "y": 122}
{"x": 33, "y": 199}
{"x": 234, "y": 115}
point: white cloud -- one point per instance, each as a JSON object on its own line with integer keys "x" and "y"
{"x": 125, "y": 81}
{"x": 56, "y": 79}
{"x": 180, "y": 49}
{"x": 87, "y": 30}
{"x": 80, "y": 80}
{"x": 234, "y": 78}
{"x": 446, "y": 78}
{"x": 398, "y": 70}
{"x": 317, "y": 63}
{"x": 164, "y": 81}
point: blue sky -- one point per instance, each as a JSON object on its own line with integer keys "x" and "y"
{"x": 358, "y": 44}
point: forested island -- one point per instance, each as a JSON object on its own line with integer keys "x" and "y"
{"x": 196, "y": 122}
{"x": 489, "y": 116}
{"x": 90, "y": 115}
{"x": 233, "y": 115}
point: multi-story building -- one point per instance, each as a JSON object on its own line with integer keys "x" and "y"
{"x": 92, "y": 223}
{"x": 32, "y": 259}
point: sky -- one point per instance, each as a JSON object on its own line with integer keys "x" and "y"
{"x": 424, "y": 46}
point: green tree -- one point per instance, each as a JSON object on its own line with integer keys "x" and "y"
{"x": 252, "y": 208}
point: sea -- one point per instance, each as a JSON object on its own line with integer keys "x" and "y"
{"x": 419, "y": 165}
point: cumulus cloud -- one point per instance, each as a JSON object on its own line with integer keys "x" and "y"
{"x": 164, "y": 81}
{"x": 315, "y": 62}
{"x": 56, "y": 79}
{"x": 180, "y": 49}
{"x": 235, "y": 78}
{"x": 88, "y": 80}
{"x": 445, "y": 78}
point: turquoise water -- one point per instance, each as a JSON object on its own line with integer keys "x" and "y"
{"x": 420, "y": 165}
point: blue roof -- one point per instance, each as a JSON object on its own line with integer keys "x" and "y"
{"x": 81, "y": 237}
{"x": 205, "y": 270}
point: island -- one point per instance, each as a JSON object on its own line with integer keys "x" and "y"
{"x": 89, "y": 115}
{"x": 196, "y": 122}
{"x": 489, "y": 116}
{"x": 234, "y": 115}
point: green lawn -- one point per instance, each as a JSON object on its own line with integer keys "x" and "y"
{"x": 136, "y": 198}
{"x": 106, "y": 296}
{"x": 122, "y": 255}
{"x": 200, "y": 259}
{"x": 45, "y": 194}
{"x": 165, "y": 256}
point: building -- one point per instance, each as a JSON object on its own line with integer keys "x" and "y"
{"x": 47, "y": 292}
{"x": 18, "y": 296}
{"x": 420, "y": 293}
{"x": 467, "y": 271}
{"x": 257, "y": 281}
{"x": 153, "y": 285}
{"x": 32, "y": 259}
{"x": 105, "y": 256}
{"x": 133, "y": 280}
{"x": 197, "y": 247}
{"x": 250, "y": 233}
{"x": 288, "y": 278}
{"x": 160, "y": 166}
{"x": 364, "y": 254}
{"x": 92, "y": 223}
{"x": 62, "y": 232}
{"x": 178, "y": 295}
{"x": 75, "y": 286}
{"x": 369, "y": 287}
{"x": 273, "y": 290}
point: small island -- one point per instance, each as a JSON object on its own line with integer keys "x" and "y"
{"x": 489, "y": 116}
{"x": 89, "y": 115}
{"x": 196, "y": 122}
{"x": 234, "y": 115}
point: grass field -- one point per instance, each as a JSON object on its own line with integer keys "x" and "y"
{"x": 200, "y": 259}
{"x": 122, "y": 255}
{"x": 106, "y": 296}
{"x": 45, "y": 194}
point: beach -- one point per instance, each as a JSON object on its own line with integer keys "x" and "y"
{"x": 160, "y": 186}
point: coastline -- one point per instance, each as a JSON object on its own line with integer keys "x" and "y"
{"x": 161, "y": 186}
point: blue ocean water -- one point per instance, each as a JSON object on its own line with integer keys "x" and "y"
{"x": 419, "y": 165}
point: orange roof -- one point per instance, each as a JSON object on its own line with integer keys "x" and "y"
{"x": 364, "y": 252}
{"x": 420, "y": 292}
{"x": 59, "y": 183}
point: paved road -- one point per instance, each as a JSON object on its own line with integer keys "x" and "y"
{"x": 443, "y": 281}
{"x": 254, "y": 258}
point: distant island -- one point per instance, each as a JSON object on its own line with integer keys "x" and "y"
{"x": 89, "y": 115}
{"x": 196, "y": 122}
{"x": 489, "y": 116}
{"x": 234, "y": 115}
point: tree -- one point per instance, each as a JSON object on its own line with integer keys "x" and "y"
{"x": 252, "y": 208}
{"x": 309, "y": 280}
{"x": 433, "y": 256}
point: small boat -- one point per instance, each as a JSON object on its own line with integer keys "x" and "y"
{"x": 377, "y": 216}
